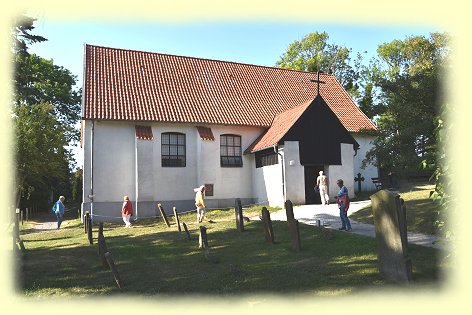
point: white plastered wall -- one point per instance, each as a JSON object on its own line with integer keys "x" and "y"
{"x": 365, "y": 144}
{"x": 343, "y": 171}
{"x": 115, "y": 171}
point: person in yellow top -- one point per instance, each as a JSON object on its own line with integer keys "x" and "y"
{"x": 200, "y": 202}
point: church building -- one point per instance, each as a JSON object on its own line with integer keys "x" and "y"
{"x": 155, "y": 126}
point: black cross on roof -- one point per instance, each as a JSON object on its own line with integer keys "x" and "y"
{"x": 318, "y": 81}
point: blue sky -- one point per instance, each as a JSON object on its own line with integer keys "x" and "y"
{"x": 245, "y": 42}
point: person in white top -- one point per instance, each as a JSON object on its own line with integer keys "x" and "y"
{"x": 322, "y": 184}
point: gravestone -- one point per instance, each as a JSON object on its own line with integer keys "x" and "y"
{"x": 289, "y": 211}
{"x": 203, "y": 238}
{"x": 186, "y": 230}
{"x": 359, "y": 179}
{"x": 89, "y": 230}
{"x": 177, "y": 221}
{"x": 295, "y": 234}
{"x": 163, "y": 214}
{"x": 238, "y": 209}
{"x": 391, "y": 234}
{"x": 102, "y": 249}
{"x": 268, "y": 231}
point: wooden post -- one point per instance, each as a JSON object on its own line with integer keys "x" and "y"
{"x": 113, "y": 269}
{"x": 289, "y": 211}
{"x": 238, "y": 209}
{"x": 100, "y": 228}
{"x": 295, "y": 233}
{"x": 268, "y": 231}
{"x": 177, "y": 221}
{"x": 163, "y": 214}
{"x": 27, "y": 214}
{"x": 16, "y": 233}
{"x": 89, "y": 230}
{"x": 102, "y": 249}
{"x": 203, "y": 238}
{"x": 22, "y": 246}
{"x": 86, "y": 221}
{"x": 186, "y": 230}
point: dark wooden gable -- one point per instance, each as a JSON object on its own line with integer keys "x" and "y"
{"x": 319, "y": 133}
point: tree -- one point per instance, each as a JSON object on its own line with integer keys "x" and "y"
{"x": 313, "y": 53}
{"x": 45, "y": 111}
{"x": 408, "y": 73}
{"x": 42, "y": 162}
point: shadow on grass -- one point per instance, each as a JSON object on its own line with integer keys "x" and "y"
{"x": 154, "y": 259}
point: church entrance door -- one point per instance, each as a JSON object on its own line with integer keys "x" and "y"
{"x": 311, "y": 173}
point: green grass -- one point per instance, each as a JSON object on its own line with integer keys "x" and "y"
{"x": 154, "y": 259}
{"x": 421, "y": 211}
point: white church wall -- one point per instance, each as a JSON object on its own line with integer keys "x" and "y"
{"x": 228, "y": 182}
{"x": 294, "y": 173}
{"x": 113, "y": 167}
{"x": 115, "y": 170}
{"x": 343, "y": 171}
{"x": 365, "y": 144}
{"x": 268, "y": 185}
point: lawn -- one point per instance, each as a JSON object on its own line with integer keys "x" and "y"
{"x": 153, "y": 259}
{"x": 421, "y": 211}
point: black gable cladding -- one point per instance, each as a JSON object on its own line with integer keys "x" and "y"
{"x": 319, "y": 133}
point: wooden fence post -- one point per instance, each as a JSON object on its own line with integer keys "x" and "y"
{"x": 163, "y": 214}
{"x": 186, "y": 230}
{"x": 89, "y": 230}
{"x": 238, "y": 209}
{"x": 102, "y": 249}
{"x": 268, "y": 231}
{"x": 177, "y": 221}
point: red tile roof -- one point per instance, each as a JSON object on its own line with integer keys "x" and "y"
{"x": 205, "y": 133}
{"x": 141, "y": 86}
{"x": 280, "y": 126}
{"x": 143, "y": 132}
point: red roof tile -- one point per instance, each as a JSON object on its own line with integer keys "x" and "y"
{"x": 143, "y": 132}
{"x": 141, "y": 86}
{"x": 205, "y": 133}
{"x": 281, "y": 124}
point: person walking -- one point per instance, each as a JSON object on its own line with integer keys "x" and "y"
{"x": 343, "y": 204}
{"x": 200, "y": 202}
{"x": 59, "y": 210}
{"x": 322, "y": 184}
{"x": 127, "y": 211}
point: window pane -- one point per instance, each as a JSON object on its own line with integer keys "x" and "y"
{"x": 181, "y": 139}
{"x": 230, "y": 151}
{"x": 173, "y": 139}
{"x": 165, "y": 138}
{"x": 229, "y": 140}
{"x": 165, "y": 149}
{"x": 237, "y": 141}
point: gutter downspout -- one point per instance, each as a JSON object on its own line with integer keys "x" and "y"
{"x": 136, "y": 177}
{"x": 91, "y": 169}
{"x": 276, "y": 150}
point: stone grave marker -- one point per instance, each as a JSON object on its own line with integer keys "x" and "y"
{"x": 177, "y": 221}
{"x": 186, "y": 230}
{"x": 268, "y": 231}
{"x": 203, "y": 238}
{"x": 238, "y": 209}
{"x": 295, "y": 233}
{"x": 163, "y": 214}
{"x": 391, "y": 234}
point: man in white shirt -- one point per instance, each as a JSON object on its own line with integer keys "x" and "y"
{"x": 322, "y": 184}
